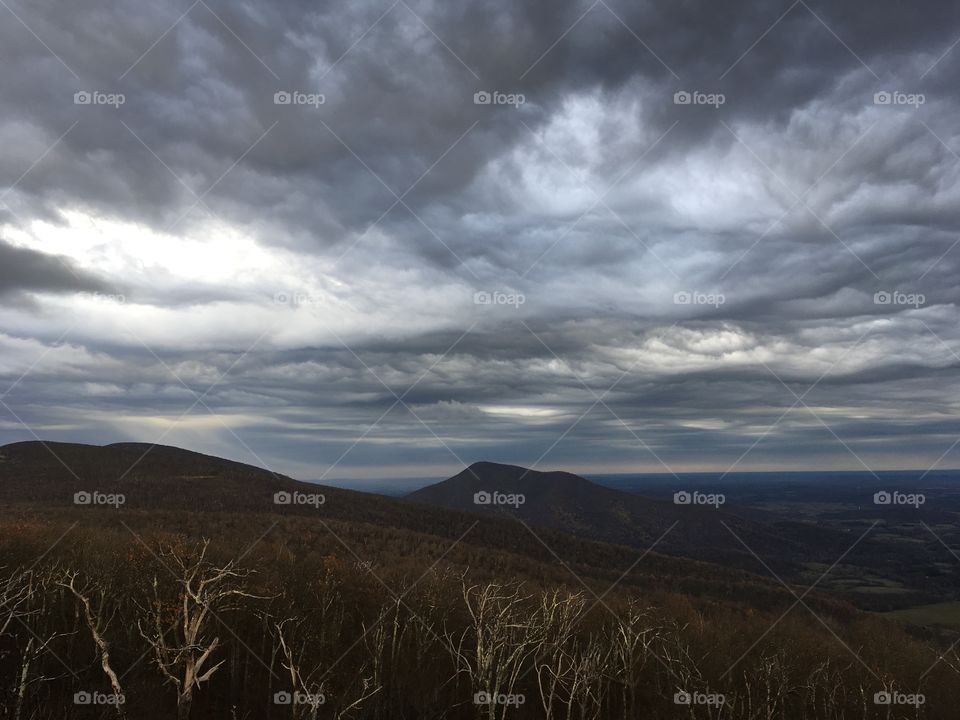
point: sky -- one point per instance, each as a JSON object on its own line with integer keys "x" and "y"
{"x": 388, "y": 239}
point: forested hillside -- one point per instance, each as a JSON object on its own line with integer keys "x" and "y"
{"x": 390, "y": 609}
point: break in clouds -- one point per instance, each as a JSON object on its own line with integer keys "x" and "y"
{"x": 390, "y": 238}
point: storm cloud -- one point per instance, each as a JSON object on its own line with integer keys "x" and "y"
{"x": 23, "y": 269}
{"x": 390, "y": 238}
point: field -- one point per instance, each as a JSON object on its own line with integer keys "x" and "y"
{"x": 939, "y": 614}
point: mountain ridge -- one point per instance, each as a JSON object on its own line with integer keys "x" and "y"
{"x": 571, "y": 503}
{"x": 169, "y": 478}
{"x": 167, "y": 494}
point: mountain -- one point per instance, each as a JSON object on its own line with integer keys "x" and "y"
{"x": 598, "y": 531}
{"x": 148, "y": 476}
{"x": 389, "y": 584}
{"x": 572, "y": 504}
{"x": 175, "y": 490}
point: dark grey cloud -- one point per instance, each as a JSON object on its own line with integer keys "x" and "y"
{"x": 26, "y": 270}
{"x": 201, "y": 96}
{"x": 291, "y": 257}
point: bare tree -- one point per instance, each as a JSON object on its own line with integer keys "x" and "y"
{"x": 15, "y": 593}
{"x": 555, "y": 663}
{"x": 358, "y": 694}
{"x": 590, "y": 665}
{"x": 767, "y": 685}
{"x": 92, "y": 601}
{"x": 302, "y": 666}
{"x": 503, "y": 635}
{"x": 385, "y": 641}
{"x": 23, "y": 600}
{"x": 825, "y": 689}
{"x": 184, "y": 652}
{"x": 637, "y": 640}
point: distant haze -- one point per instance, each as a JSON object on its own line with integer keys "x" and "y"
{"x": 665, "y": 484}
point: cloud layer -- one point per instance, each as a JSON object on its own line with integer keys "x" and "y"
{"x": 387, "y": 239}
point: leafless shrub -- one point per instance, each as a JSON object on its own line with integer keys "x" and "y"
{"x": 178, "y": 629}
